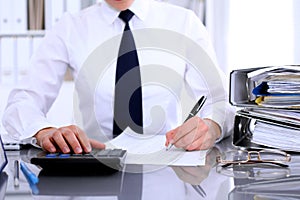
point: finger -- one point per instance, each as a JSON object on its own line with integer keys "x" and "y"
{"x": 60, "y": 141}
{"x": 83, "y": 139}
{"x": 71, "y": 139}
{"x": 187, "y": 139}
{"x": 169, "y": 136}
{"x": 47, "y": 145}
{"x": 205, "y": 141}
{"x": 45, "y": 135}
{"x": 96, "y": 144}
{"x": 187, "y": 127}
{"x": 198, "y": 139}
{"x": 202, "y": 143}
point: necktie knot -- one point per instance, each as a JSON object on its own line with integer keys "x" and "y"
{"x": 126, "y": 15}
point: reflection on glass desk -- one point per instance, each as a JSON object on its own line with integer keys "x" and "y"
{"x": 282, "y": 188}
{"x": 188, "y": 183}
{"x": 182, "y": 183}
{"x": 111, "y": 185}
{"x": 3, "y": 184}
{"x": 267, "y": 182}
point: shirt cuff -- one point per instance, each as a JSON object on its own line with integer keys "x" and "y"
{"x": 35, "y": 127}
{"x": 225, "y": 120}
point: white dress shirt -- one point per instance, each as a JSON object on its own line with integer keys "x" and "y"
{"x": 76, "y": 37}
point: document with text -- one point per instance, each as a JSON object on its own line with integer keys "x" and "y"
{"x": 151, "y": 149}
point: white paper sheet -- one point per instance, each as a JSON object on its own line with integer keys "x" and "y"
{"x": 150, "y": 149}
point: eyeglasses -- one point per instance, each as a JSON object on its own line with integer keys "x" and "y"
{"x": 261, "y": 156}
{"x": 254, "y": 173}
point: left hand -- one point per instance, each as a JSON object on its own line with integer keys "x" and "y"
{"x": 66, "y": 139}
{"x": 194, "y": 134}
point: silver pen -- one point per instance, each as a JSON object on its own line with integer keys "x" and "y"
{"x": 16, "y": 173}
{"x": 193, "y": 112}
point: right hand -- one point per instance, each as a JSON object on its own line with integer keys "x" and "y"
{"x": 66, "y": 139}
{"x": 194, "y": 134}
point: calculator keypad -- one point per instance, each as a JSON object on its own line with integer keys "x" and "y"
{"x": 98, "y": 159}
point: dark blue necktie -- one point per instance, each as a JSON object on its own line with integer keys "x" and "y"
{"x": 128, "y": 93}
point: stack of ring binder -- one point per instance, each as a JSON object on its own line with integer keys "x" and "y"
{"x": 269, "y": 102}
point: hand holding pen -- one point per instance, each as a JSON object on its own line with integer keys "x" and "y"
{"x": 195, "y": 133}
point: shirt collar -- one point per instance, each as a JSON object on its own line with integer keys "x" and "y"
{"x": 138, "y": 7}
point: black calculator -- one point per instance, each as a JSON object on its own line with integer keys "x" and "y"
{"x": 104, "y": 161}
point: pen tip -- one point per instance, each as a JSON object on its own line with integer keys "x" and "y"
{"x": 16, "y": 182}
{"x": 169, "y": 146}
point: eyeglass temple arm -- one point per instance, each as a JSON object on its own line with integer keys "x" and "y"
{"x": 254, "y": 162}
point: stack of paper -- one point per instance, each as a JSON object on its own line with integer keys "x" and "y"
{"x": 274, "y": 121}
{"x": 275, "y": 128}
{"x": 281, "y": 117}
{"x": 277, "y": 136}
{"x": 277, "y": 86}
